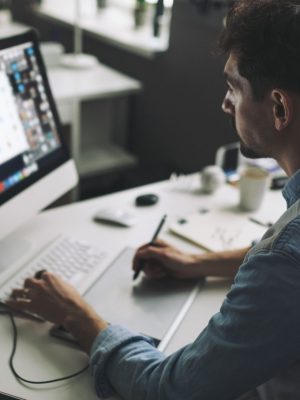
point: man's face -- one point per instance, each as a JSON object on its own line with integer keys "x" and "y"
{"x": 252, "y": 119}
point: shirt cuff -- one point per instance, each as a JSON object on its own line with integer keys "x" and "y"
{"x": 106, "y": 343}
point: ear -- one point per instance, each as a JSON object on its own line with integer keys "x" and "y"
{"x": 282, "y": 109}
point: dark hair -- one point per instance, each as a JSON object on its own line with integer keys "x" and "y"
{"x": 265, "y": 37}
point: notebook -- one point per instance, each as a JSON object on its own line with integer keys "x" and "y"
{"x": 217, "y": 230}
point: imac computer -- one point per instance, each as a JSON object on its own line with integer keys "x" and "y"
{"x": 35, "y": 167}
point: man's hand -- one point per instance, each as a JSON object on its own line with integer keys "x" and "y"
{"x": 161, "y": 259}
{"x": 56, "y": 301}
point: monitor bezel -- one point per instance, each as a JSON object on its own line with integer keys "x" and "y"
{"x": 59, "y": 156}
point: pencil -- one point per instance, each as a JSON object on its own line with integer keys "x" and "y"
{"x": 151, "y": 243}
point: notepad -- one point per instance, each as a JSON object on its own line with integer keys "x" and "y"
{"x": 218, "y": 231}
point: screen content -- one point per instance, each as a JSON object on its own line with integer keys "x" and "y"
{"x": 28, "y": 132}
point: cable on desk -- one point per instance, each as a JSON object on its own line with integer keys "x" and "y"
{"x": 13, "y": 353}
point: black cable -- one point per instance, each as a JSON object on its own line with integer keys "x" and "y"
{"x": 13, "y": 353}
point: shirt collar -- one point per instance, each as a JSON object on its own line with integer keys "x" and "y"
{"x": 291, "y": 191}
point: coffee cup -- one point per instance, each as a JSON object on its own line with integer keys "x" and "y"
{"x": 254, "y": 183}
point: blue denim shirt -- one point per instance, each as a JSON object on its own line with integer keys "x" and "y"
{"x": 253, "y": 339}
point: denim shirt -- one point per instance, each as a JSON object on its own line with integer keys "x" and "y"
{"x": 252, "y": 342}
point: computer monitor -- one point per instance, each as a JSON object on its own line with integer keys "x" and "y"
{"x": 35, "y": 167}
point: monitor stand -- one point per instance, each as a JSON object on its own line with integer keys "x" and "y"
{"x": 12, "y": 250}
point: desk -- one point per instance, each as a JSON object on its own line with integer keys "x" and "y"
{"x": 40, "y": 356}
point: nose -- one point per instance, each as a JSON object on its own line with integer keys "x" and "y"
{"x": 227, "y": 105}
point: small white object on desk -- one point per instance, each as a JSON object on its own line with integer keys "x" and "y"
{"x": 212, "y": 177}
{"x": 116, "y": 216}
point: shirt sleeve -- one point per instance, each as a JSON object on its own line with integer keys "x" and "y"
{"x": 255, "y": 335}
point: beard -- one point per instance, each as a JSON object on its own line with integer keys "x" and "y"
{"x": 249, "y": 153}
{"x": 244, "y": 149}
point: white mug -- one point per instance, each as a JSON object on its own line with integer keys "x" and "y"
{"x": 212, "y": 177}
{"x": 253, "y": 184}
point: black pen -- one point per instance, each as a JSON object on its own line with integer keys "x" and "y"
{"x": 151, "y": 243}
{"x": 261, "y": 223}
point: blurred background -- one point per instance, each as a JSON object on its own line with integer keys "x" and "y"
{"x": 146, "y": 103}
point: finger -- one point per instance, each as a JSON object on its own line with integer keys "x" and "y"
{"x": 23, "y": 305}
{"x": 161, "y": 243}
{"x": 23, "y": 313}
{"x": 154, "y": 272}
{"x": 158, "y": 242}
{"x": 31, "y": 283}
{"x": 50, "y": 277}
{"x": 53, "y": 281}
{"x": 144, "y": 252}
{"x": 140, "y": 259}
{"x": 19, "y": 293}
{"x": 136, "y": 261}
{"x": 149, "y": 253}
{"x": 39, "y": 274}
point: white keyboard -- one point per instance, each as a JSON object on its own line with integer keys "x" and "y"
{"x": 69, "y": 258}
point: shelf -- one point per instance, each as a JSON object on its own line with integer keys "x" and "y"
{"x": 11, "y": 29}
{"x": 98, "y": 82}
{"x": 113, "y": 26}
{"x": 108, "y": 158}
{"x": 95, "y": 102}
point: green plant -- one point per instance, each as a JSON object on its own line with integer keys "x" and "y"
{"x": 141, "y": 4}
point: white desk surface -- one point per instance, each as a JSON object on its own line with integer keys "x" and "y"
{"x": 41, "y": 357}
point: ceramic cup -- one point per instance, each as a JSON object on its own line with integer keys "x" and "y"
{"x": 212, "y": 177}
{"x": 254, "y": 183}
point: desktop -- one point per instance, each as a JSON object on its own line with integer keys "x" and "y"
{"x": 35, "y": 167}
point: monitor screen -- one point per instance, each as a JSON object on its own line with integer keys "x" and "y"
{"x": 35, "y": 166}
{"x": 30, "y": 141}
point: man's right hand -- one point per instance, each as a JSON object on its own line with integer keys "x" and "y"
{"x": 161, "y": 259}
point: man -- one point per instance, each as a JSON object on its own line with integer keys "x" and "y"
{"x": 251, "y": 348}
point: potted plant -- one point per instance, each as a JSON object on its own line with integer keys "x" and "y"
{"x": 140, "y": 13}
{"x": 101, "y": 3}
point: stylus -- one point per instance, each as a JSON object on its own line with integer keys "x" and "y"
{"x": 151, "y": 243}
